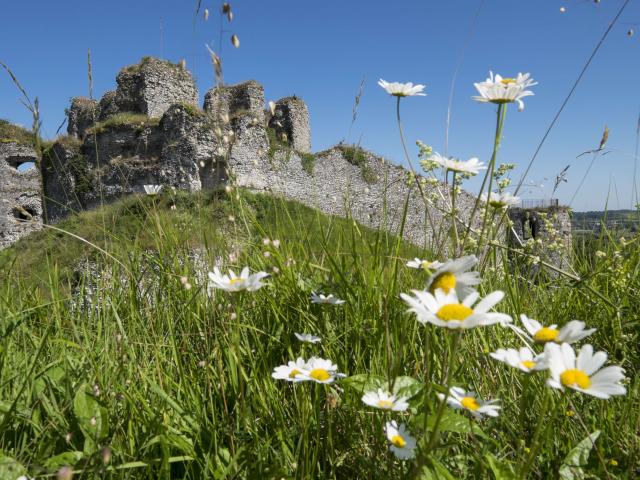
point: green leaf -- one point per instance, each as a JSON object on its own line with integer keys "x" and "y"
{"x": 9, "y": 468}
{"x": 455, "y": 423}
{"x": 435, "y": 471}
{"x": 502, "y": 470}
{"x": 363, "y": 382}
{"x": 68, "y": 458}
{"x": 571, "y": 468}
{"x": 405, "y": 386}
{"x": 92, "y": 417}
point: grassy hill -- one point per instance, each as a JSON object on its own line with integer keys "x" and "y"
{"x": 133, "y": 370}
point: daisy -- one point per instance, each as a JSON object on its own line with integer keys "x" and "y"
{"x": 471, "y": 166}
{"x": 307, "y": 337}
{"x": 402, "y": 444}
{"x": 462, "y": 400}
{"x": 325, "y": 299}
{"x": 385, "y": 401}
{"x": 455, "y": 275}
{"x": 445, "y": 310}
{"x": 320, "y": 370}
{"x": 584, "y": 373}
{"x": 522, "y": 359}
{"x": 291, "y": 372}
{"x": 424, "y": 264}
{"x": 152, "y": 189}
{"x": 398, "y": 89}
{"x": 504, "y": 90}
{"x": 500, "y": 200}
{"x": 233, "y": 283}
{"x": 570, "y": 333}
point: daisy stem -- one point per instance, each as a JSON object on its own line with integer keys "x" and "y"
{"x": 454, "y": 226}
{"x": 448, "y": 380}
{"x": 489, "y": 174}
{"x": 595, "y": 447}
{"x": 536, "y": 435}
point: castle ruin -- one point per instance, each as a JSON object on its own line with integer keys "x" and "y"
{"x": 150, "y": 130}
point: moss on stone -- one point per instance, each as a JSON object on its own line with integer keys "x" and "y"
{"x": 124, "y": 119}
{"x": 276, "y": 144}
{"x": 308, "y": 161}
{"x": 353, "y": 154}
{"x": 192, "y": 110}
{"x": 13, "y": 133}
{"x": 149, "y": 60}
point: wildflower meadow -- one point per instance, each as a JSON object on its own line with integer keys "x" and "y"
{"x": 235, "y": 334}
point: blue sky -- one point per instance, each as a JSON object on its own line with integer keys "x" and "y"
{"x": 322, "y": 49}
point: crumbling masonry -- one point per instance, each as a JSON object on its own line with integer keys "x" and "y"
{"x": 151, "y": 131}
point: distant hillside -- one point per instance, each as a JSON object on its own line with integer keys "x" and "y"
{"x": 612, "y": 219}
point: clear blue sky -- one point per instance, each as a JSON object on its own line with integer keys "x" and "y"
{"x": 321, "y": 49}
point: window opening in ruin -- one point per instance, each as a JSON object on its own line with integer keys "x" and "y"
{"x": 21, "y": 164}
{"x": 24, "y": 213}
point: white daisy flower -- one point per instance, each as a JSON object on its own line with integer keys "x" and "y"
{"x": 500, "y": 200}
{"x": 570, "y": 333}
{"x": 424, "y": 264}
{"x": 455, "y": 275}
{"x": 325, "y": 299}
{"x": 307, "y": 337}
{"x": 402, "y": 444}
{"x": 292, "y": 371}
{"x": 320, "y": 370}
{"x": 460, "y": 399}
{"x": 445, "y": 310}
{"x": 504, "y": 90}
{"x": 233, "y": 283}
{"x": 398, "y": 89}
{"x": 152, "y": 189}
{"x": 584, "y": 373}
{"x": 522, "y": 359}
{"x": 385, "y": 401}
{"x": 471, "y": 166}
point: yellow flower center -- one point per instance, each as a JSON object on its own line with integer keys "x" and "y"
{"x": 319, "y": 374}
{"x": 453, "y": 311}
{"x": 528, "y": 364}
{"x": 574, "y": 377}
{"x": 470, "y": 403}
{"x": 233, "y": 281}
{"x": 425, "y": 265}
{"x": 398, "y": 441}
{"x": 294, "y": 373}
{"x": 507, "y": 81}
{"x": 446, "y": 281}
{"x": 546, "y": 334}
{"x": 385, "y": 403}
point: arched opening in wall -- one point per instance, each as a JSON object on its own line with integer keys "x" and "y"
{"x": 22, "y": 164}
{"x": 24, "y": 214}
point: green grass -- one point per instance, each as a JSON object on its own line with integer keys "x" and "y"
{"x": 124, "y": 119}
{"x": 308, "y": 162}
{"x": 353, "y": 154}
{"x": 13, "y": 133}
{"x": 177, "y": 384}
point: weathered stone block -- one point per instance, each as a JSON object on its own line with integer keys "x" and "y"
{"x": 82, "y": 114}
{"x": 108, "y": 106}
{"x": 152, "y": 86}
{"x": 20, "y": 203}
{"x": 291, "y": 121}
{"x": 247, "y": 97}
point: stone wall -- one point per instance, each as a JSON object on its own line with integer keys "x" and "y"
{"x": 543, "y": 233}
{"x": 20, "y": 203}
{"x": 150, "y": 131}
